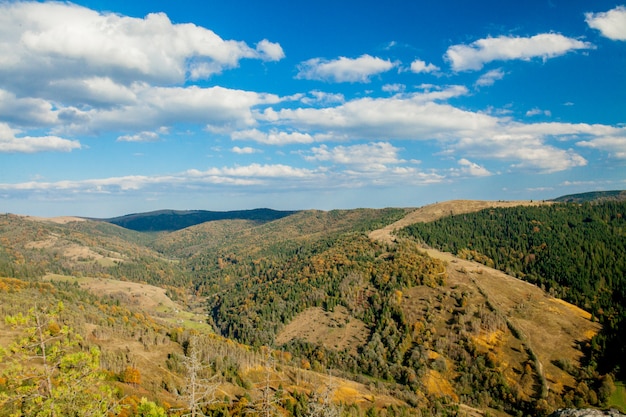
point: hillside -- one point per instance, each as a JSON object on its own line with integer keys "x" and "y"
{"x": 436, "y": 211}
{"x": 576, "y": 251}
{"x": 317, "y": 308}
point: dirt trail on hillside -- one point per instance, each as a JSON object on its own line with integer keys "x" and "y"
{"x": 59, "y": 220}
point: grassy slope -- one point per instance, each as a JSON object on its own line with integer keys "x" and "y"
{"x": 548, "y": 328}
{"x": 618, "y": 399}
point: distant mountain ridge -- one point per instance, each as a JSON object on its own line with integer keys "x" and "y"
{"x": 172, "y": 220}
{"x": 592, "y": 196}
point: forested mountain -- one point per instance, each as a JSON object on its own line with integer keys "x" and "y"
{"x": 306, "y": 314}
{"x": 170, "y": 220}
{"x": 593, "y": 196}
{"x": 574, "y": 251}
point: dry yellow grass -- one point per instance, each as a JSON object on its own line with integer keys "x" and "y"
{"x": 575, "y": 310}
{"x": 59, "y": 220}
{"x": 488, "y": 340}
{"x": 335, "y": 330}
{"x": 438, "y": 385}
{"x": 144, "y": 297}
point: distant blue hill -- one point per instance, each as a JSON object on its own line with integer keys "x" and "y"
{"x": 171, "y": 220}
{"x": 593, "y": 196}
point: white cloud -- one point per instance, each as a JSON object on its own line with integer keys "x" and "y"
{"x": 276, "y": 176}
{"x": 92, "y": 91}
{"x": 26, "y": 111}
{"x": 368, "y": 157}
{"x": 261, "y": 178}
{"x": 505, "y": 48}
{"x": 344, "y": 69}
{"x": 393, "y": 88}
{"x": 216, "y": 107}
{"x": 489, "y": 78}
{"x": 537, "y": 111}
{"x": 272, "y": 137}
{"x": 615, "y": 145}
{"x": 257, "y": 171}
{"x": 74, "y": 70}
{"x": 10, "y": 143}
{"x": 473, "y": 169}
{"x": 270, "y": 51}
{"x": 611, "y": 24}
{"x": 419, "y": 66}
{"x": 463, "y": 134}
{"x": 526, "y": 152}
{"x": 322, "y": 98}
{"x": 63, "y": 41}
{"x": 144, "y": 136}
{"x": 246, "y": 150}
{"x": 415, "y": 116}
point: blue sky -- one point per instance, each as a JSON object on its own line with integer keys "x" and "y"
{"x": 114, "y": 107}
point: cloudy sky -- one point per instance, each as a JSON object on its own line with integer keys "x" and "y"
{"x": 113, "y": 107}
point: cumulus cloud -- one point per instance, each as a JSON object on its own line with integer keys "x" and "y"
{"x": 614, "y": 145}
{"x": 216, "y": 107}
{"x": 417, "y": 116}
{"x": 419, "y": 66}
{"x": 473, "y": 136}
{"x": 537, "y": 111}
{"x": 489, "y": 78}
{"x": 370, "y": 156}
{"x": 473, "y": 169}
{"x": 193, "y": 179}
{"x": 246, "y": 150}
{"x": 73, "y": 70}
{"x": 26, "y": 111}
{"x": 264, "y": 170}
{"x": 273, "y": 137}
{"x": 527, "y": 152}
{"x": 270, "y": 51}
{"x": 316, "y": 97}
{"x": 140, "y": 137}
{"x": 504, "y": 48}
{"x": 55, "y": 40}
{"x": 611, "y": 24}
{"x": 393, "y": 88}
{"x": 11, "y": 143}
{"x": 254, "y": 177}
{"x": 344, "y": 69}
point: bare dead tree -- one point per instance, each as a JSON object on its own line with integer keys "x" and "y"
{"x": 267, "y": 404}
{"x": 200, "y": 389}
{"x": 321, "y": 402}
